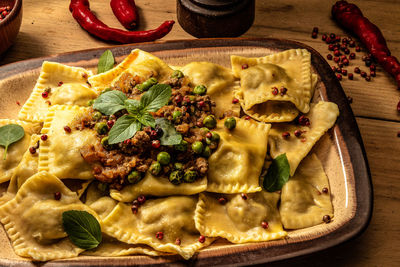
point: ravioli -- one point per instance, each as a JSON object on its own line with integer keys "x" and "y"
{"x": 60, "y": 153}
{"x": 64, "y": 85}
{"x": 322, "y": 116}
{"x": 220, "y": 82}
{"x": 240, "y": 220}
{"x": 305, "y": 198}
{"x": 138, "y": 62}
{"x": 157, "y": 186}
{"x": 33, "y": 218}
{"x": 290, "y": 69}
{"x": 236, "y": 165}
{"x": 16, "y": 150}
{"x": 171, "y": 216}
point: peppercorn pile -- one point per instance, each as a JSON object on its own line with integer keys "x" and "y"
{"x": 189, "y": 111}
{"x": 4, "y": 11}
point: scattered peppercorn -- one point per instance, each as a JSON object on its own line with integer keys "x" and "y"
{"x": 372, "y": 73}
{"x": 315, "y": 29}
{"x": 222, "y": 200}
{"x": 160, "y": 235}
{"x": 244, "y": 66}
{"x": 329, "y": 57}
{"x": 244, "y": 196}
{"x": 398, "y": 134}
{"x": 330, "y": 47}
{"x": 336, "y": 53}
{"x": 57, "y": 195}
{"x": 45, "y": 94}
{"x": 314, "y": 35}
{"x": 339, "y": 77}
{"x": 155, "y": 144}
{"x": 32, "y": 150}
{"x": 325, "y": 190}
{"x": 363, "y": 74}
{"x": 358, "y": 49}
{"x": 18, "y": 103}
{"x": 60, "y": 83}
{"x": 202, "y": 239}
{"x": 303, "y": 120}
{"x": 235, "y": 101}
{"x": 336, "y": 59}
{"x": 345, "y": 62}
{"x": 368, "y": 78}
{"x": 326, "y": 218}
{"x": 283, "y": 90}
{"x": 264, "y": 225}
{"x": 357, "y": 70}
{"x": 67, "y": 129}
{"x": 285, "y": 134}
{"x": 275, "y": 91}
{"x": 298, "y": 133}
{"x": 352, "y": 56}
{"x": 44, "y": 137}
{"x": 141, "y": 199}
{"x": 372, "y": 67}
{"x": 134, "y": 209}
{"x": 351, "y": 76}
{"x": 344, "y": 72}
{"x": 323, "y": 37}
{"x": 247, "y": 118}
{"x": 178, "y": 241}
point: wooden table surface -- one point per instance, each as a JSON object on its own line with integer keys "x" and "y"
{"x": 48, "y": 28}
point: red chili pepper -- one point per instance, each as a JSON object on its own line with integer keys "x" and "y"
{"x": 80, "y": 10}
{"x": 351, "y": 18}
{"x": 126, "y": 12}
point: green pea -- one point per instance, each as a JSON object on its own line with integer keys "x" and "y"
{"x": 204, "y": 130}
{"x": 208, "y": 141}
{"x": 176, "y": 114}
{"x": 102, "y": 187}
{"x": 230, "y": 123}
{"x": 105, "y": 144}
{"x": 190, "y": 176}
{"x": 182, "y": 146}
{"x": 210, "y": 122}
{"x": 163, "y": 158}
{"x": 106, "y": 90}
{"x": 177, "y": 74}
{"x": 147, "y": 84}
{"x": 175, "y": 177}
{"x": 206, "y": 152}
{"x": 197, "y": 147}
{"x": 215, "y": 137}
{"x": 101, "y": 127}
{"x": 200, "y": 90}
{"x": 97, "y": 115}
{"x": 134, "y": 177}
{"x": 178, "y": 166}
{"x": 90, "y": 102}
{"x": 155, "y": 168}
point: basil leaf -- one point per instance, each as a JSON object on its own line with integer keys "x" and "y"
{"x": 106, "y": 62}
{"x": 110, "y": 102}
{"x": 156, "y": 97}
{"x": 133, "y": 106}
{"x": 147, "y": 119}
{"x": 170, "y": 135}
{"x": 82, "y": 228}
{"x": 278, "y": 174}
{"x": 124, "y": 128}
{"x": 10, "y": 134}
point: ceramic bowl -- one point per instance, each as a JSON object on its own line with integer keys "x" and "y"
{"x": 9, "y": 26}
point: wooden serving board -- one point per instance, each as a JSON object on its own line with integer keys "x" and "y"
{"x": 341, "y": 152}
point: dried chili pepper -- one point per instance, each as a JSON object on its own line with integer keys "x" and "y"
{"x": 80, "y": 10}
{"x": 126, "y": 12}
{"x": 351, "y": 18}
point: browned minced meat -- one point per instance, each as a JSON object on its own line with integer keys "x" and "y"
{"x": 113, "y": 164}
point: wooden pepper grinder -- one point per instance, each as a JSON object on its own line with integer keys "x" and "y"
{"x": 215, "y": 18}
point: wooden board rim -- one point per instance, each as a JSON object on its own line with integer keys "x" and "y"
{"x": 350, "y": 135}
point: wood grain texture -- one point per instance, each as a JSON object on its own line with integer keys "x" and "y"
{"x": 48, "y": 28}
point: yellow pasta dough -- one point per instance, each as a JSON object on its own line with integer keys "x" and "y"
{"x": 16, "y": 151}
{"x": 172, "y": 216}
{"x": 64, "y": 85}
{"x": 322, "y": 116}
{"x": 220, "y": 82}
{"x": 157, "y": 186}
{"x": 236, "y": 165}
{"x": 60, "y": 153}
{"x": 240, "y": 220}
{"x": 305, "y": 198}
{"x": 290, "y": 69}
{"x": 33, "y": 218}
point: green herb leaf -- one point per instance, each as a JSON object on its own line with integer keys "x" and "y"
{"x": 110, "y": 102}
{"x": 125, "y": 127}
{"x": 157, "y": 97}
{"x": 10, "y": 134}
{"x": 146, "y": 119}
{"x": 278, "y": 174}
{"x": 133, "y": 106}
{"x": 106, "y": 62}
{"x": 170, "y": 135}
{"x": 82, "y": 228}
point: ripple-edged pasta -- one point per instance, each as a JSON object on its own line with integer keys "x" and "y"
{"x": 166, "y": 160}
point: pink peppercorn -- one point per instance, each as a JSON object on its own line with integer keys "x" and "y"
{"x": 202, "y": 239}
{"x": 264, "y": 225}
{"x": 160, "y": 235}
{"x": 67, "y": 129}
{"x": 339, "y": 77}
{"x": 44, "y": 137}
{"x": 57, "y": 195}
{"x": 235, "y": 101}
{"x": 350, "y": 76}
{"x": 244, "y": 66}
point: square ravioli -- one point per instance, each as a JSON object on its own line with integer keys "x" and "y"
{"x": 60, "y": 154}
{"x": 236, "y": 165}
{"x": 165, "y": 224}
{"x": 305, "y": 198}
{"x": 312, "y": 126}
{"x": 240, "y": 218}
{"x": 220, "y": 82}
{"x": 58, "y": 84}
{"x": 290, "y": 69}
{"x": 16, "y": 151}
{"x": 137, "y": 67}
{"x": 32, "y": 219}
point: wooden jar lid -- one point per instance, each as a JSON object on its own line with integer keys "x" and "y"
{"x": 215, "y": 18}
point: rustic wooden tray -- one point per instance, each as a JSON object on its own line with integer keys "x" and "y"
{"x": 341, "y": 152}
